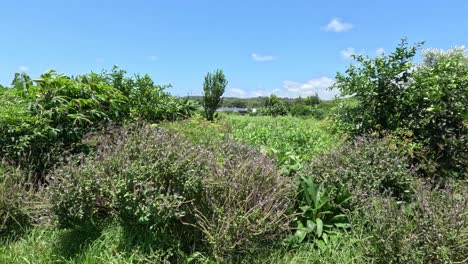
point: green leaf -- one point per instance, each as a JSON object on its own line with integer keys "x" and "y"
{"x": 319, "y": 227}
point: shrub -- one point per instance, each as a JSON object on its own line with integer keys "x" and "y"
{"x": 301, "y": 110}
{"x": 155, "y": 182}
{"x": 431, "y": 228}
{"x": 363, "y": 167}
{"x": 273, "y": 106}
{"x": 247, "y": 200}
{"x": 55, "y": 111}
{"x": 428, "y": 99}
{"x": 146, "y": 179}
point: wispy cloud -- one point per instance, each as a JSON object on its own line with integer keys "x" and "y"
{"x": 337, "y": 25}
{"x": 152, "y": 57}
{"x": 23, "y": 68}
{"x": 348, "y": 52}
{"x": 318, "y": 86}
{"x": 236, "y": 92}
{"x": 262, "y": 58}
{"x": 291, "y": 89}
{"x": 379, "y": 51}
{"x": 243, "y": 93}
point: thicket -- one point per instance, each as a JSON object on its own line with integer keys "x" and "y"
{"x": 41, "y": 119}
{"x": 425, "y": 102}
{"x": 154, "y": 182}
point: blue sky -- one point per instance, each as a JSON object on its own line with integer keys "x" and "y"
{"x": 289, "y": 48}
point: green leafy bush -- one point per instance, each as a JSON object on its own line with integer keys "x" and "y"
{"x": 321, "y": 213}
{"x": 146, "y": 179}
{"x": 55, "y": 111}
{"x": 301, "y": 110}
{"x": 273, "y": 106}
{"x": 364, "y": 167}
{"x": 428, "y": 99}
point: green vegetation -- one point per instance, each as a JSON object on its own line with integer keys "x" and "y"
{"x": 213, "y": 90}
{"x": 107, "y": 168}
{"x": 426, "y": 101}
{"x": 292, "y": 141}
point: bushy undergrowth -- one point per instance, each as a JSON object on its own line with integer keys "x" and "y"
{"x": 153, "y": 181}
{"x": 21, "y": 205}
{"x": 430, "y": 228}
{"x": 364, "y": 167}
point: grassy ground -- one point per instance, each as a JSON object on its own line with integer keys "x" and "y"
{"x": 49, "y": 245}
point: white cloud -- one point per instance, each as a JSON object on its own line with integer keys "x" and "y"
{"x": 236, "y": 92}
{"x": 319, "y": 85}
{"x": 379, "y": 51}
{"x": 23, "y": 68}
{"x": 291, "y": 89}
{"x": 262, "y": 58}
{"x": 346, "y": 53}
{"x": 152, "y": 58}
{"x": 337, "y": 25}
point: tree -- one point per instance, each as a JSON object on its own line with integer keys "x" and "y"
{"x": 213, "y": 88}
{"x": 424, "y": 104}
{"x": 379, "y": 85}
{"x": 274, "y": 106}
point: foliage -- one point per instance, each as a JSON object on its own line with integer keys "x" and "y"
{"x": 364, "y": 167}
{"x": 431, "y": 228}
{"x": 378, "y": 83}
{"x": 435, "y": 109}
{"x": 248, "y": 200}
{"x": 153, "y": 181}
{"x": 53, "y": 113}
{"x": 321, "y": 213}
{"x": 213, "y": 89}
{"x": 301, "y": 110}
{"x": 429, "y": 100}
{"x": 273, "y": 106}
{"x": 292, "y": 141}
{"x": 162, "y": 175}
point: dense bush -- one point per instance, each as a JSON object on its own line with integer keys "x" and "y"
{"x": 146, "y": 179}
{"x": 273, "y": 106}
{"x": 436, "y": 108}
{"x": 364, "y": 167}
{"x": 247, "y": 200}
{"x": 428, "y": 99}
{"x": 153, "y": 181}
{"x": 301, "y": 110}
{"x": 431, "y": 228}
{"x": 56, "y": 111}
